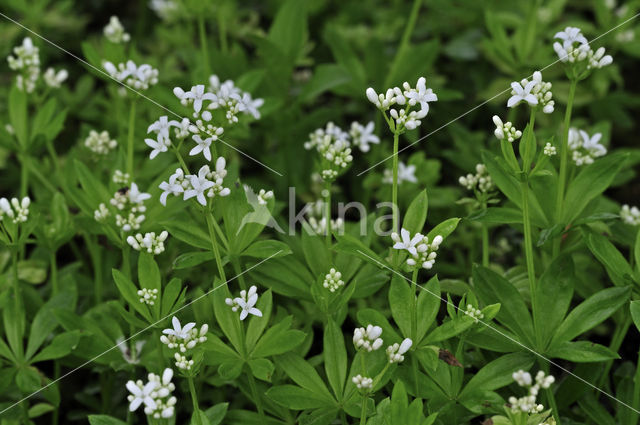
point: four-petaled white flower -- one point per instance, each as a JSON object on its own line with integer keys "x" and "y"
{"x": 199, "y": 185}
{"x": 198, "y": 94}
{"x": 202, "y": 145}
{"x": 135, "y": 196}
{"x": 162, "y": 127}
{"x": 174, "y": 186}
{"x": 421, "y": 94}
{"x": 522, "y": 94}
{"x": 406, "y": 242}
{"x": 246, "y": 302}
{"x": 181, "y": 332}
{"x": 141, "y": 394}
{"x": 362, "y": 135}
{"x": 157, "y": 146}
{"x": 592, "y": 143}
{"x": 571, "y": 35}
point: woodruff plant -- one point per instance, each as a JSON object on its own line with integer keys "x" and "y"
{"x": 176, "y": 303}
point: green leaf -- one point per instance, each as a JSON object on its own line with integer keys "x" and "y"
{"x": 554, "y": 292}
{"x": 416, "y": 214}
{"x": 267, "y": 249}
{"x": 581, "y": 352}
{"x": 613, "y": 261}
{"x": 39, "y": 409}
{"x": 104, "y": 420}
{"x": 230, "y": 371}
{"x": 189, "y": 232}
{"x": 289, "y": 29}
{"x": 303, "y": 374}
{"x": 449, "y": 329}
{"x": 589, "y": 183}
{"x": 634, "y": 306}
{"x": 216, "y": 413}
{"x": 278, "y": 339}
{"x": 335, "y": 357}
{"x": 497, "y": 373}
{"x": 148, "y": 272}
{"x": 60, "y": 346}
{"x": 428, "y": 306}
{"x": 44, "y": 322}
{"x": 14, "y": 326}
{"x": 444, "y": 229}
{"x": 590, "y": 313}
{"x": 257, "y": 324}
{"x": 28, "y": 379}
{"x": 18, "y": 114}
{"x": 129, "y": 292}
{"x": 261, "y": 369}
{"x": 192, "y": 259}
{"x": 527, "y": 147}
{"x": 325, "y": 77}
{"x": 172, "y": 296}
{"x": 400, "y": 298}
{"x": 93, "y": 188}
{"x": 296, "y": 398}
{"x": 228, "y": 320}
{"x": 315, "y": 253}
{"x": 351, "y": 245}
{"x": 497, "y": 215}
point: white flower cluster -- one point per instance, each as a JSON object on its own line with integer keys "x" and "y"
{"x": 396, "y": 351}
{"x": 148, "y": 296}
{"x": 318, "y": 222}
{"x": 481, "y": 180}
{"x": 334, "y": 147}
{"x": 264, "y": 196}
{"x": 129, "y": 205}
{"x": 100, "y": 143}
{"x": 149, "y": 242}
{"x": 535, "y": 93}
{"x": 114, "y": 31}
{"x": 630, "y": 215}
{"x": 120, "y": 177}
{"x": 207, "y": 183}
{"x": 362, "y": 382}
{"x": 333, "y": 280}
{"x": 139, "y": 77}
{"x": 155, "y": 395}
{"x": 17, "y": 210}
{"x": 165, "y": 9}
{"x": 246, "y": 303}
{"x": 506, "y": 130}
{"x": 362, "y": 135}
{"x": 474, "y": 313}
{"x": 575, "y": 48}
{"x": 162, "y": 129}
{"x": 528, "y": 403}
{"x": 406, "y": 173}
{"x": 422, "y": 253}
{"x": 27, "y": 62}
{"x": 407, "y": 97}
{"x": 549, "y": 149}
{"x": 183, "y": 338}
{"x": 585, "y": 148}
{"x": 368, "y": 339}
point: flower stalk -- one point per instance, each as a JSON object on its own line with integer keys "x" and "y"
{"x": 130, "y": 137}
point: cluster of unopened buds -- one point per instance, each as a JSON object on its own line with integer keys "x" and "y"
{"x": 150, "y": 242}
{"x": 406, "y": 173}
{"x": 535, "y": 93}
{"x": 17, "y": 210}
{"x": 549, "y": 149}
{"x": 362, "y": 382}
{"x": 139, "y": 77}
{"x": 475, "y": 313}
{"x": 155, "y": 395}
{"x": 264, "y": 196}
{"x": 396, "y": 352}
{"x": 333, "y": 280}
{"x": 575, "y": 48}
{"x": 585, "y": 148}
{"x": 318, "y": 222}
{"x": 114, "y": 31}
{"x": 207, "y": 183}
{"x": 26, "y": 61}
{"x": 481, "y": 180}
{"x": 129, "y": 204}
{"x": 246, "y": 303}
{"x": 100, "y": 143}
{"x": 528, "y": 404}
{"x": 404, "y": 118}
{"x": 148, "y": 296}
{"x": 422, "y": 253}
{"x": 368, "y": 338}
{"x": 505, "y": 130}
{"x": 120, "y": 177}
{"x": 630, "y": 215}
{"x": 334, "y": 147}
{"x": 182, "y": 339}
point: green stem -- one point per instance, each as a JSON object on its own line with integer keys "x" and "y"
{"x": 616, "y": 341}
{"x": 404, "y": 41}
{"x": 255, "y": 395}
{"x": 363, "y": 410}
{"x": 24, "y": 175}
{"x": 194, "y": 399}
{"x": 394, "y": 189}
{"x": 343, "y": 418}
{"x": 564, "y": 154}
{"x": 126, "y": 260}
{"x": 238, "y": 271}
{"x": 528, "y": 249}
{"x": 414, "y": 327}
{"x": 551, "y": 398}
{"x": 328, "y": 217}
{"x": 222, "y": 31}
{"x": 214, "y": 246}
{"x": 130, "y": 137}
{"x": 203, "y": 44}
{"x": 485, "y": 245}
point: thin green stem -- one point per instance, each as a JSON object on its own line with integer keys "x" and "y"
{"x": 130, "y": 137}
{"x": 551, "y": 398}
{"x": 202, "y": 31}
{"x": 214, "y": 246}
{"x": 24, "y": 175}
{"x": 222, "y": 30}
{"x": 394, "y": 189}
{"x": 564, "y": 154}
{"x": 363, "y": 410}
{"x": 194, "y": 400}
{"x": 485, "y": 245}
{"x": 414, "y": 326}
{"x": 528, "y": 249}
{"x": 327, "y": 202}
{"x": 126, "y": 260}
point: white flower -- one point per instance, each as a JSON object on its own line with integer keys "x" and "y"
{"x": 179, "y": 331}
{"x": 121, "y": 178}
{"x": 505, "y": 130}
{"x": 520, "y": 93}
{"x": 333, "y": 145}
{"x": 407, "y": 242}
{"x": 571, "y": 35}
{"x": 249, "y": 105}
{"x": 630, "y": 215}
{"x": 422, "y": 253}
{"x": 246, "y": 302}
{"x": 182, "y": 362}
{"x": 139, "y": 77}
{"x": 202, "y": 145}
{"x": 421, "y": 94}
{"x": 173, "y": 187}
{"x": 585, "y": 148}
{"x": 197, "y": 94}
{"x": 114, "y": 31}
{"x": 406, "y": 173}
{"x": 165, "y": 9}
{"x": 149, "y": 242}
{"x": 54, "y": 79}
{"x": 332, "y": 280}
{"x": 263, "y": 196}
{"x": 17, "y": 210}
{"x": 528, "y": 403}
{"x": 100, "y": 214}
{"x": 135, "y": 196}
{"x": 362, "y": 382}
{"x": 27, "y": 62}
{"x": 542, "y": 91}
{"x": 157, "y": 146}
{"x": 368, "y": 338}
{"x": 141, "y": 394}
{"x": 164, "y": 402}
{"x": 481, "y": 180}
{"x": 198, "y": 186}
{"x": 575, "y": 48}
{"x": 100, "y": 143}
{"x": 395, "y": 352}
{"x": 363, "y": 135}
{"x": 549, "y": 149}
{"x": 162, "y": 127}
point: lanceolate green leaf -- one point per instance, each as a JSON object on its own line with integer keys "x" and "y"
{"x": 303, "y": 374}
{"x": 554, "y": 292}
{"x": 416, "y": 214}
{"x": 335, "y": 357}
